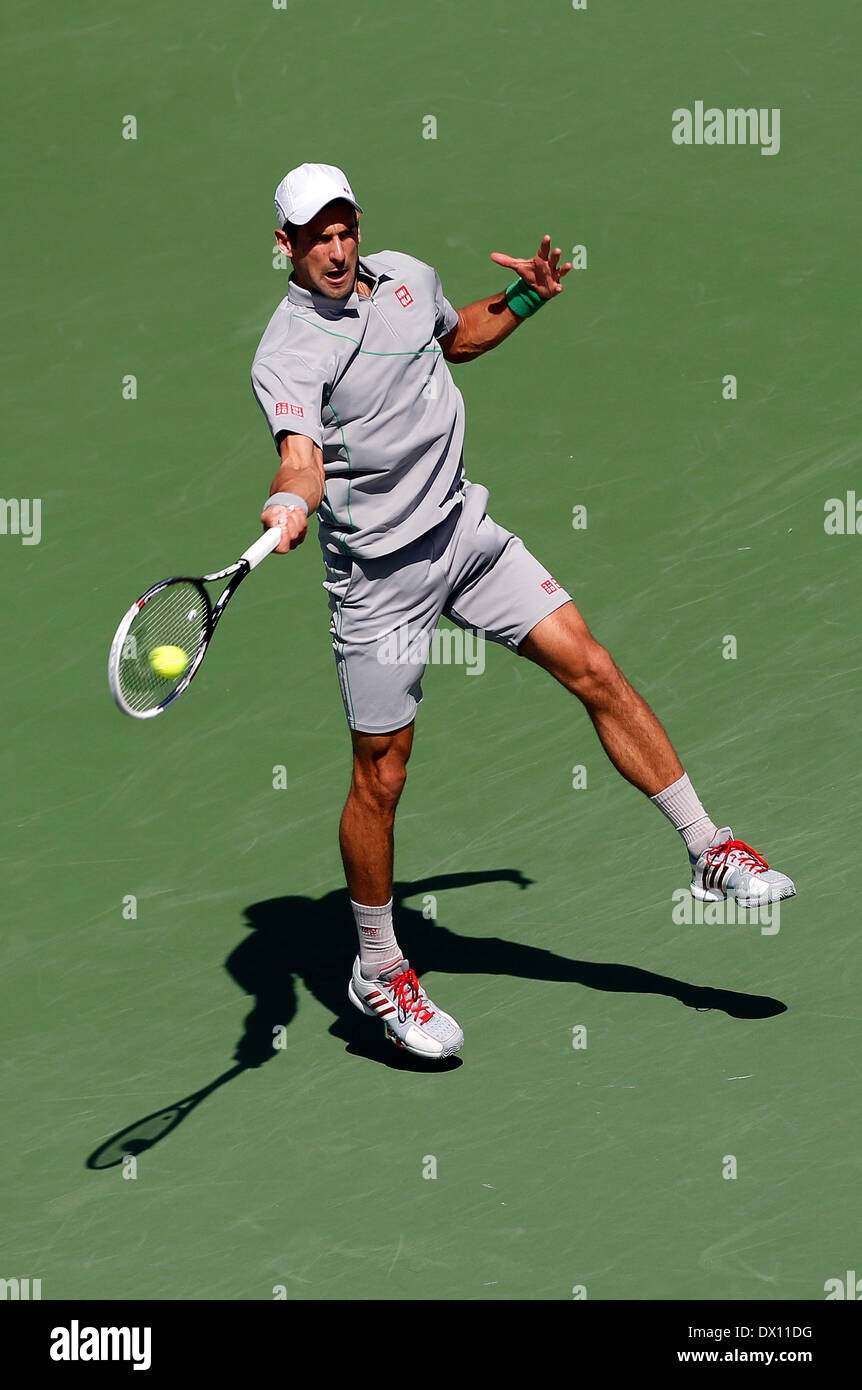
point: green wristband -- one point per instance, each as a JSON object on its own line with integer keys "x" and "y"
{"x": 523, "y": 300}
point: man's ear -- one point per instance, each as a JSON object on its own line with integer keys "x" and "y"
{"x": 283, "y": 240}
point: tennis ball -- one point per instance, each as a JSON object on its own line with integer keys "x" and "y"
{"x": 168, "y": 661}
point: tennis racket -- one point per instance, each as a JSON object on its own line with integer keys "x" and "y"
{"x": 174, "y": 613}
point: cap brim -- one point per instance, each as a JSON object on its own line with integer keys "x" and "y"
{"x": 304, "y": 220}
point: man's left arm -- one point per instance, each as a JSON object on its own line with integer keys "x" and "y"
{"x": 481, "y": 326}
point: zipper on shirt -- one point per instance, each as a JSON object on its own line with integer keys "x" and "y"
{"x": 373, "y": 300}
{"x": 383, "y": 316}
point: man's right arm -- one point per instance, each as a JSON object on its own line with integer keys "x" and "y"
{"x": 301, "y": 473}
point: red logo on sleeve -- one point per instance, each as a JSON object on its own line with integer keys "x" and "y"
{"x": 285, "y": 408}
{"x": 403, "y": 295}
{"x": 551, "y": 586}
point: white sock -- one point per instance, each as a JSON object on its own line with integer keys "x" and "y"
{"x": 679, "y": 802}
{"x": 378, "y": 948}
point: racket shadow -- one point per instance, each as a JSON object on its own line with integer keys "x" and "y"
{"x": 136, "y": 1138}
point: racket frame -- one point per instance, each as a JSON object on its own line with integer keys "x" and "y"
{"x": 236, "y": 572}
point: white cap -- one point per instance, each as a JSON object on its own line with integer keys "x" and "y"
{"x": 304, "y": 191}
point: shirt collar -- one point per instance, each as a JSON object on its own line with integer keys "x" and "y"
{"x": 370, "y": 267}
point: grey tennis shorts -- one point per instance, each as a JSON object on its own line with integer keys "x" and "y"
{"x": 384, "y": 611}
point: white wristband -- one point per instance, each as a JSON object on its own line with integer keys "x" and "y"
{"x": 286, "y": 499}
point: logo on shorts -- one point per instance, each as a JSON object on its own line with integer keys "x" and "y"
{"x": 551, "y": 586}
{"x": 403, "y": 295}
{"x": 285, "y": 408}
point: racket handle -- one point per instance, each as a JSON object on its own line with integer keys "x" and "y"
{"x": 263, "y": 546}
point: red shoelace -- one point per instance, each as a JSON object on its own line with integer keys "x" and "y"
{"x": 749, "y": 858}
{"x": 409, "y": 997}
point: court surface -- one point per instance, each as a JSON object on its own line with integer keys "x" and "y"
{"x": 170, "y": 909}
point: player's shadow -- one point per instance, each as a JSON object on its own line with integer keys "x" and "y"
{"x": 311, "y": 940}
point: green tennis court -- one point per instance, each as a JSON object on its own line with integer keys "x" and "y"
{"x": 177, "y": 924}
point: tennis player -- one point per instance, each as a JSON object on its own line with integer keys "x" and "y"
{"x": 352, "y": 374}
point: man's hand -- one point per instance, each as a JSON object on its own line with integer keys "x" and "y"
{"x": 543, "y": 273}
{"x": 294, "y": 525}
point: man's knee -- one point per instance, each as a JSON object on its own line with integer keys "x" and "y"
{"x": 563, "y": 644}
{"x": 383, "y": 779}
{"x": 594, "y": 670}
{"x": 589, "y": 671}
{"x": 380, "y": 768}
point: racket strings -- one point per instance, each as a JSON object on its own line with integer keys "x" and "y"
{"x": 176, "y": 616}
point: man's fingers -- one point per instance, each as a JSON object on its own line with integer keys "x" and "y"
{"x": 293, "y": 522}
{"x": 291, "y": 537}
{"x": 543, "y": 271}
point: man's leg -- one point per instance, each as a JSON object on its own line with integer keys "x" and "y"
{"x": 498, "y": 588}
{"x": 630, "y": 733}
{"x": 641, "y": 751}
{"x": 368, "y": 818}
{"x": 383, "y": 985}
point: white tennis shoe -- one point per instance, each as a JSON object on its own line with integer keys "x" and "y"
{"x": 730, "y": 868}
{"x": 410, "y": 1018}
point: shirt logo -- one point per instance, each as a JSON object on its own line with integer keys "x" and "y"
{"x": 551, "y": 586}
{"x": 403, "y": 295}
{"x": 285, "y": 408}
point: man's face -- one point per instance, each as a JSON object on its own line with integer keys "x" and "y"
{"x": 325, "y": 254}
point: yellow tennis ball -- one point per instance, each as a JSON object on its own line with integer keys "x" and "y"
{"x": 169, "y": 662}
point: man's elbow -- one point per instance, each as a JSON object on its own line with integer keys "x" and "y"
{"x": 462, "y": 352}
{"x": 459, "y": 348}
{"x": 453, "y": 344}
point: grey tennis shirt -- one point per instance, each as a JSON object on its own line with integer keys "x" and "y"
{"x": 366, "y": 379}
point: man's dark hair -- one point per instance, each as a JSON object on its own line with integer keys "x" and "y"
{"x": 292, "y": 231}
